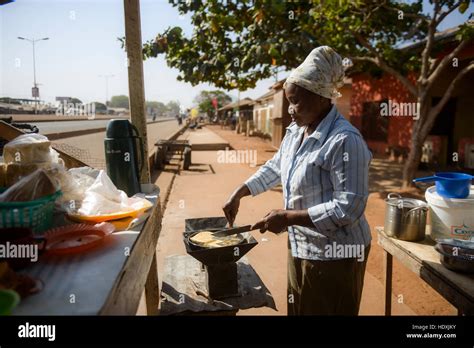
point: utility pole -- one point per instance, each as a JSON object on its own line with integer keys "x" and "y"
{"x": 136, "y": 89}
{"x": 35, "y": 90}
{"x": 106, "y": 77}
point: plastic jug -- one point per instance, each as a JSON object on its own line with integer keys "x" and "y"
{"x": 121, "y": 155}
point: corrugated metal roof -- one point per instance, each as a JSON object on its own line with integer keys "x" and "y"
{"x": 243, "y": 102}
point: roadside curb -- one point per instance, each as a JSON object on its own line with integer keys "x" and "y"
{"x": 63, "y": 135}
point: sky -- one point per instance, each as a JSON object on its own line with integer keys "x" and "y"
{"x": 83, "y": 45}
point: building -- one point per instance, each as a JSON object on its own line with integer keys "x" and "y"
{"x": 262, "y": 115}
{"x": 242, "y": 110}
{"x": 453, "y": 130}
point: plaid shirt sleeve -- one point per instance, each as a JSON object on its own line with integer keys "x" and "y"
{"x": 266, "y": 177}
{"x": 348, "y": 172}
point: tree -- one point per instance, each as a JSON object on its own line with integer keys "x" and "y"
{"x": 173, "y": 107}
{"x": 205, "y": 101}
{"x": 100, "y": 107}
{"x": 119, "y": 101}
{"x": 158, "y": 107}
{"x": 75, "y": 101}
{"x": 237, "y": 44}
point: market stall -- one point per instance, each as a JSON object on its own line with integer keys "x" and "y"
{"x": 422, "y": 259}
{"x": 96, "y": 242}
{"x": 71, "y": 242}
{"x": 433, "y": 238}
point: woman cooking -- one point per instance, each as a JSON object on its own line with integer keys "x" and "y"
{"x": 322, "y": 165}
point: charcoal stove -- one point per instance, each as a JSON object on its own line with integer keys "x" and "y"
{"x": 219, "y": 264}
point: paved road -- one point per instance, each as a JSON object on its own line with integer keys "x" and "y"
{"x": 69, "y": 126}
{"x": 90, "y": 147}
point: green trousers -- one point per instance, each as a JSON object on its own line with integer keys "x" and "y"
{"x": 325, "y": 287}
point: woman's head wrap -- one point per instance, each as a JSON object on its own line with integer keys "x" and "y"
{"x": 322, "y": 73}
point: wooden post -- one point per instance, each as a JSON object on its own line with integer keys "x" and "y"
{"x": 136, "y": 89}
{"x": 388, "y": 267}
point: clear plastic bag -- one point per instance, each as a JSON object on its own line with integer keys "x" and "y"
{"x": 74, "y": 183}
{"x": 30, "y": 188}
{"x": 29, "y": 149}
{"x": 103, "y": 198}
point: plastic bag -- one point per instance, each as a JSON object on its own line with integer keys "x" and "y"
{"x": 30, "y": 148}
{"x": 30, "y": 188}
{"x": 103, "y": 198}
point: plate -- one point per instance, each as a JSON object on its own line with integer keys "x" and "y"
{"x": 108, "y": 217}
{"x": 76, "y": 238}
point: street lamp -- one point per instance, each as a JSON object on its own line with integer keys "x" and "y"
{"x": 35, "y": 91}
{"x": 106, "y": 86}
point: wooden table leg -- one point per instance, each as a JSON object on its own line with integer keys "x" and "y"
{"x": 152, "y": 291}
{"x": 388, "y": 263}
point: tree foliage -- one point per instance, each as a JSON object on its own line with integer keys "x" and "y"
{"x": 100, "y": 107}
{"x": 158, "y": 107}
{"x": 75, "y": 101}
{"x": 174, "y": 107}
{"x": 236, "y": 43}
{"x": 204, "y": 101}
{"x": 119, "y": 101}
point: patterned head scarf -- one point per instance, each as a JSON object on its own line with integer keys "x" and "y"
{"x": 322, "y": 72}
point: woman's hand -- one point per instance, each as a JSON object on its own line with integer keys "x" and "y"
{"x": 231, "y": 207}
{"x": 275, "y": 221}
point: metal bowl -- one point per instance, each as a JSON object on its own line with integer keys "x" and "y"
{"x": 456, "y": 255}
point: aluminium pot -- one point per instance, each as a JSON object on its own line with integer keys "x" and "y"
{"x": 405, "y": 218}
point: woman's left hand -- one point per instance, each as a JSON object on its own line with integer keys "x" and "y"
{"x": 275, "y": 221}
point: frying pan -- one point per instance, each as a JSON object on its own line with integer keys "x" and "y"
{"x": 214, "y": 229}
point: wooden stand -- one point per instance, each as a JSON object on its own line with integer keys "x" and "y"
{"x": 423, "y": 260}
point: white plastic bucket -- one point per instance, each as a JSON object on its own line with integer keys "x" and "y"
{"x": 450, "y": 217}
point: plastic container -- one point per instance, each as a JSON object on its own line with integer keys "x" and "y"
{"x": 76, "y": 238}
{"x": 36, "y": 215}
{"x": 450, "y": 217}
{"x": 9, "y": 299}
{"x": 450, "y": 185}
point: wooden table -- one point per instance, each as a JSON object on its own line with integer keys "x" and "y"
{"x": 423, "y": 259}
{"x": 108, "y": 280}
{"x": 165, "y": 147}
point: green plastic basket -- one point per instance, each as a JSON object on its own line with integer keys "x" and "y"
{"x": 9, "y": 299}
{"x": 37, "y": 214}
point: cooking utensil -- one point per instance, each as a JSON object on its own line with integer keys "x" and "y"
{"x": 456, "y": 255}
{"x": 405, "y": 218}
{"x": 220, "y": 263}
{"x": 450, "y": 185}
{"x": 233, "y": 230}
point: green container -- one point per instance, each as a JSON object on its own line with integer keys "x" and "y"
{"x": 9, "y": 299}
{"x": 36, "y": 215}
{"x": 124, "y": 156}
